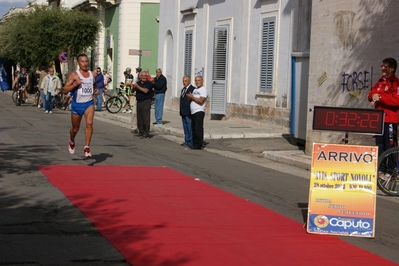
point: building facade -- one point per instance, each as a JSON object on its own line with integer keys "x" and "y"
{"x": 247, "y": 52}
{"x": 127, "y": 27}
{"x": 349, "y": 40}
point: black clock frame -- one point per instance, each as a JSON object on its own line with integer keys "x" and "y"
{"x": 320, "y": 112}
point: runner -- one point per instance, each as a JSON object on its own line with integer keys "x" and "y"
{"x": 82, "y": 85}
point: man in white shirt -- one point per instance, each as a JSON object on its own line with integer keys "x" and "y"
{"x": 50, "y": 85}
{"x": 197, "y": 106}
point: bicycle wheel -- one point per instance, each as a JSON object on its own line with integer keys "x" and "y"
{"x": 14, "y": 96}
{"x": 114, "y": 105}
{"x": 37, "y": 102}
{"x": 59, "y": 102}
{"x": 124, "y": 100}
{"x": 19, "y": 97}
{"x": 388, "y": 170}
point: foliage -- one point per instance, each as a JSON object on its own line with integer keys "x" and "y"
{"x": 36, "y": 37}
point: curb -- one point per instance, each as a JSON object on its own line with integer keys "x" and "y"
{"x": 179, "y": 131}
{"x": 294, "y": 157}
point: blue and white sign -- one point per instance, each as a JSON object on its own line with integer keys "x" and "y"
{"x": 63, "y": 57}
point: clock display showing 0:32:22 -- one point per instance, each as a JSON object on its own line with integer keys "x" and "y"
{"x": 352, "y": 119}
{"x": 348, "y": 119}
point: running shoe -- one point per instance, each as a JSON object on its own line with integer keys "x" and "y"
{"x": 129, "y": 111}
{"x": 123, "y": 111}
{"x": 71, "y": 147}
{"x": 87, "y": 152}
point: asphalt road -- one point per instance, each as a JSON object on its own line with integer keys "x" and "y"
{"x": 39, "y": 226}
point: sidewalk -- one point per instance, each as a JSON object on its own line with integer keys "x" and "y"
{"x": 220, "y": 129}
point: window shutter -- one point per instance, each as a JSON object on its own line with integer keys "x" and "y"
{"x": 267, "y": 54}
{"x": 219, "y": 71}
{"x": 188, "y": 52}
{"x": 219, "y": 54}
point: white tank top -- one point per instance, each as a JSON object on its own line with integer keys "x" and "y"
{"x": 84, "y": 92}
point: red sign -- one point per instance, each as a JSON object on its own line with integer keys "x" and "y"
{"x": 63, "y": 57}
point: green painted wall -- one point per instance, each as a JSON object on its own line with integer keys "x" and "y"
{"x": 149, "y": 29}
{"x": 112, "y": 26}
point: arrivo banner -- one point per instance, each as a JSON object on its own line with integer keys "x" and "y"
{"x": 342, "y": 196}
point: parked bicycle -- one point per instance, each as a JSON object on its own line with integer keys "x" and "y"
{"x": 105, "y": 96}
{"x": 121, "y": 100}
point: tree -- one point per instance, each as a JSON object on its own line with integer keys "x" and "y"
{"x": 36, "y": 37}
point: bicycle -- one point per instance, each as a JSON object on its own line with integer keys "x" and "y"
{"x": 115, "y": 103}
{"x": 17, "y": 95}
{"x": 388, "y": 172}
{"x": 62, "y": 101}
{"x": 105, "y": 96}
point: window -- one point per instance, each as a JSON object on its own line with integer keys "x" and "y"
{"x": 188, "y": 52}
{"x": 219, "y": 53}
{"x": 267, "y": 54}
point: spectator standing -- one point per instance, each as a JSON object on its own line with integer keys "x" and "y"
{"x": 185, "y": 111}
{"x": 159, "y": 90}
{"x": 36, "y": 87}
{"x": 43, "y": 74}
{"x": 149, "y": 78}
{"x": 197, "y": 107}
{"x": 51, "y": 84}
{"x": 143, "y": 95}
{"x": 100, "y": 88}
{"x": 107, "y": 79}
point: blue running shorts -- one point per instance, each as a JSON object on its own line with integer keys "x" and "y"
{"x": 80, "y": 108}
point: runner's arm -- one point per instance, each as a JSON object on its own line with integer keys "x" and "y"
{"x": 72, "y": 81}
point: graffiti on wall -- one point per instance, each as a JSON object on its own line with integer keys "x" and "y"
{"x": 357, "y": 80}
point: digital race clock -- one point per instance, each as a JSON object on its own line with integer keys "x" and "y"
{"x": 348, "y": 119}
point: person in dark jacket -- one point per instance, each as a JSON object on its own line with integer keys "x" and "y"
{"x": 143, "y": 95}
{"x": 100, "y": 88}
{"x": 185, "y": 111}
{"x": 159, "y": 90}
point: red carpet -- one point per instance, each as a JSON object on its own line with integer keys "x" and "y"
{"x": 157, "y": 216}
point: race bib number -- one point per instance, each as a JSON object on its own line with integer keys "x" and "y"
{"x": 87, "y": 91}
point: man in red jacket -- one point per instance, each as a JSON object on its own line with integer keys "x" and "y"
{"x": 385, "y": 95}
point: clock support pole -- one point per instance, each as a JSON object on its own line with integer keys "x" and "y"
{"x": 346, "y": 138}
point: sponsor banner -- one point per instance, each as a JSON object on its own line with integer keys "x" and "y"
{"x": 325, "y": 224}
{"x": 342, "y": 194}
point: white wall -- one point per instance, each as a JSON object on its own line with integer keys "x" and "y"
{"x": 244, "y": 19}
{"x": 349, "y": 38}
